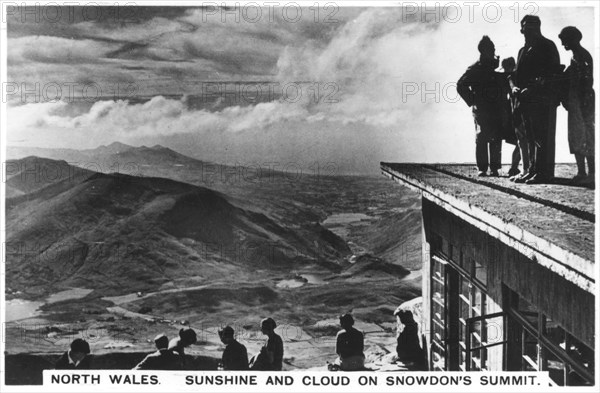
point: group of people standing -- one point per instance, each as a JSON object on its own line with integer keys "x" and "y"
{"x": 170, "y": 355}
{"x": 518, "y": 104}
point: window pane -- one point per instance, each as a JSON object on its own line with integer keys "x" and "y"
{"x": 477, "y": 360}
{"x": 477, "y": 301}
{"x": 438, "y": 360}
{"x": 438, "y": 293}
{"x": 530, "y": 352}
{"x": 462, "y": 360}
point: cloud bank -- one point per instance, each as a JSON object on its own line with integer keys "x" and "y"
{"x": 377, "y": 85}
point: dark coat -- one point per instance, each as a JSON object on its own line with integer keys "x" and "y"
{"x": 163, "y": 359}
{"x": 235, "y": 357}
{"x": 482, "y": 88}
{"x": 578, "y": 98}
{"x": 349, "y": 342}
{"x": 63, "y": 363}
{"x": 270, "y": 357}
{"x": 538, "y": 65}
{"x": 409, "y": 348}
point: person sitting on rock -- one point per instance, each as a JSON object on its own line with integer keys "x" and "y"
{"x": 162, "y": 359}
{"x": 77, "y": 358}
{"x": 350, "y": 345}
{"x": 270, "y": 357}
{"x": 408, "y": 348}
{"x": 187, "y": 337}
{"x": 235, "y": 355}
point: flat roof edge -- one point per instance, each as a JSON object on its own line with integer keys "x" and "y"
{"x": 568, "y": 265}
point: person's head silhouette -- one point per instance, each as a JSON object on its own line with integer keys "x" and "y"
{"x": 530, "y": 26}
{"x": 79, "y": 349}
{"x": 161, "y": 341}
{"x": 508, "y": 64}
{"x": 486, "y": 47}
{"x": 226, "y": 335}
{"x": 406, "y": 317}
{"x": 570, "y": 37}
{"x": 187, "y": 336}
{"x": 346, "y": 321}
{"x": 267, "y": 326}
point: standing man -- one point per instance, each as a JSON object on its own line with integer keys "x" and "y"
{"x": 533, "y": 88}
{"x": 480, "y": 87}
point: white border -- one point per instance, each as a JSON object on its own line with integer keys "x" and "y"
{"x": 346, "y": 3}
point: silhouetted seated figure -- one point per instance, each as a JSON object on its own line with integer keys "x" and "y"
{"x": 187, "y": 337}
{"x": 350, "y": 345}
{"x": 409, "y": 349}
{"x": 579, "y": 100}
{"x": 270, "y": 357}
{"x": 162, "y": 359}
{"x": 235, "y": 355}
{"x": 77, "y": 358}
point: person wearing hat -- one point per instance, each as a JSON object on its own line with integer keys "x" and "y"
{"x": 270, "y": 357}
{"x": 235, "y": 355}
{"x": 579, "y": 101}
{"x": 350, "y": 345}
{"x": 533, "y": 85}
{"x": 187, "y": 337}
{"x": 162, "y": 359}
{"x": 481, "y": 87}
{"x": 77, "y": 358}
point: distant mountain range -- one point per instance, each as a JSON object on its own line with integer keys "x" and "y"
{"x": 155, "y": 161}
{"x": 116, "y": 157}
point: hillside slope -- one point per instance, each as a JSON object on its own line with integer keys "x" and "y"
{"x": 122, "y": 233}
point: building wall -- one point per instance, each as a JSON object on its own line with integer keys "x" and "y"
{"x": 564, "y": 302}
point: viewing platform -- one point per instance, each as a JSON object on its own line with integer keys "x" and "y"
{"x": 552, "y": 222}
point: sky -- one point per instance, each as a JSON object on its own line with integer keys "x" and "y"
{"x": 340, "y": 87}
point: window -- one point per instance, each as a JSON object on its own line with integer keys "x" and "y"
{"x": 465, "y": 323}
{"x": 438, "y": 314}
{"x": 546, "y": 346}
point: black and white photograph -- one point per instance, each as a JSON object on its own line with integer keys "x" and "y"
{"x": 311, "y": 196}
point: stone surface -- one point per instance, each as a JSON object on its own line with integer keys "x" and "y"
{"x": 559, "y": 213}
